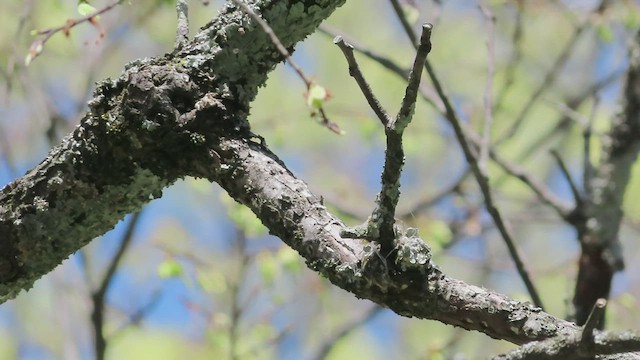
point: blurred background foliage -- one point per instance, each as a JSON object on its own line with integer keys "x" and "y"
{"x": 199, "y": 276}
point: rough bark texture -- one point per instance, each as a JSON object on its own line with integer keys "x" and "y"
{"x": 599, "y": 223}
{"x": 184, "y": 114}
{"x": 144, "y": 130}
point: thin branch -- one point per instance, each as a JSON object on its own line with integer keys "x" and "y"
{"x": 427, "y": 92}
{"x": 284, "y": 52}
{"x": 372, "y": 54}
{"x": 592, "y": 322}
{"x": 236, "y": 307}
{"x": 381, "y": 225}
{"x": 488, "y": 92}
{"x": 407, "y": 108}
{"x": 354, "y": 71}
{"x": 38, "y": 45}
{"x": 511, "y": 168}
{"x": 480, "y": 176}
{"x": 548, "y": 81}
{"x": 510, "y": 71}
{"x": 99, "y": 296}
{"x": 577, "y": 196}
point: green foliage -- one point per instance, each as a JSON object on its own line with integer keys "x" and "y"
{"x": 169, "y": 269}
{"x": 316, "y": 96}
{"x": 85, "y": 9}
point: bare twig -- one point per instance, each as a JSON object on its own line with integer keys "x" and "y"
{"x": 381, "y": 225}
{"x": 235, "y": 287}
{"x": 426, "y": 91}
{"x": 547, "y": 82}
{"x": 38, "y": 45}
{"x": 99, "y": 296}
{"x": 510, "y": 71}
{"x": 511, "y": 168}
{"x": 405, "y": 114}
{"x": 471, "y": 159}
{"x": 577, "y": 196}
{"x": 354, "y": 71}
{"x": 488, "y": 92}
{"x": 284, "y": 52}
{"x": 592, "y": 321}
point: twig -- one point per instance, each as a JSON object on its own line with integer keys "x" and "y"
{"x": 510, "y": 71}
{"x": 407, "y": 108}
{"x": 98, "y": 297}
{"x": 380, "y": 226}
{"x": 586, "y": 161}
{"x": 481, "y": 178}
{"x": 379, "y": 58}
{"x": 354, "y": 71}
{"x": 551, "y": 75}
{"x": 578, "y": 197}
{"x": 597, "y": 312}
{"x": 139, "y": 314}
{"x": 182, "y": 31}
{"x": 284, "y": 52}
{"x": 547, "y": 82}
{"x": 511, "y": 168}
{"x": 427, "y": 92}
{"x": 38, "y": 45}
{"x": 488, "y": 92}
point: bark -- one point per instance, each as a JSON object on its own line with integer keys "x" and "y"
{"x": 184, "y": 114}
{"x": 143, "y": 131}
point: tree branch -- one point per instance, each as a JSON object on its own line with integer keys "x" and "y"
{"x": 144, "y": 130}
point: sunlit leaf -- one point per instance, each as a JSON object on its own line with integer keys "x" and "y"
{"x": 85, "y": 9}
{"x": 316, "y": 96}
{"x": 605, "y": 33}
{"x": 169, "y": 269}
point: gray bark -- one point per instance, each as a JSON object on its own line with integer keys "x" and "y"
{"x": 184, "y": 114}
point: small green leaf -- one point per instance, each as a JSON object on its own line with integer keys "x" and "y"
{"x": 316, "y": 96}
{"x": 85, "y": 9}
{"x": 605, "y": 33}
{"x": 169, "y": 268}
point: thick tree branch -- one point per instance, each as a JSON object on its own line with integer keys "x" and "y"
{"x": 144, "y": 130}
{"x": 185, "y": 115}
